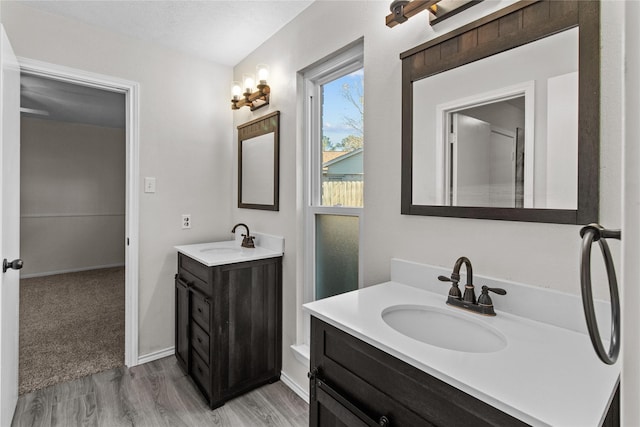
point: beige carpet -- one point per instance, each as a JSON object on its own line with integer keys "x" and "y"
{"x": 71, "y": 325}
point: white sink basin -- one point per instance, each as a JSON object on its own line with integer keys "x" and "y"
{"x": 444, "y": 329}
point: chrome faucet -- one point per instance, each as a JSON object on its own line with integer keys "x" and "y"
{"x": 483, "y": 305}
{"x": 247, "y": 239}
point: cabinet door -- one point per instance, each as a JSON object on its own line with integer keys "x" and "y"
{"x": 182, "y": 324}
{"x": 253, "y": 332}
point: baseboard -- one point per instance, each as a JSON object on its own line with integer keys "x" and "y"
{"x": 303, "y": 393}
{"x": 71, "y": 270}
{"x": 286, "y": 380}
{"x": 150, "y": 357}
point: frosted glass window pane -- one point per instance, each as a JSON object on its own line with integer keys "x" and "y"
{"x": 337, "y": 239}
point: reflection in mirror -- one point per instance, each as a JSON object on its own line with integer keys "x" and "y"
{"x": 487, "y": 160}
{"x": 259, "y": 163}
{"x": 258, "y": 170}
{"x": 501, "y": 131}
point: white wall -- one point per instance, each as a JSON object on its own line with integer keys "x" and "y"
{"x": 562, "y": 143}
{"x": 539, "y": 254}
{"x": 72, "y": 196}
{"x": 185, "y": 142}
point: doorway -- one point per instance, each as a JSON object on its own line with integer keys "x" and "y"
{"x": 72, "y": 231}
{"x": 128, "y": 214}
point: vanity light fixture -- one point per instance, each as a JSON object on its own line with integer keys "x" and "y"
{"x": 248, "y": 94}
{"x": 402, "y": 10}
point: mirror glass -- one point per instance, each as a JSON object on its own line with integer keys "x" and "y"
{"x": 259, "y": 163}
{"x": 257, "y": 170}
{"x": 502, "y": 131}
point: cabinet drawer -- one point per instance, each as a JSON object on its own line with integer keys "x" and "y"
{"x": 194, "y": 282}
{"x": 192, "y": 266}
{"x": 335, "y": 410}
{"x": 200, "y": 342}
{"x": 200, "y": 374}
{"x": 200, "y": 309}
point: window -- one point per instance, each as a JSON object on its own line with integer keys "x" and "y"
{"x": 334, "y": 178}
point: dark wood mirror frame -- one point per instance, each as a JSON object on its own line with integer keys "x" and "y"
{"x": 261, "y": 126}
{"x": 514, "y": 26}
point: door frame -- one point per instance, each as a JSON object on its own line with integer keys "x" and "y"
{"x": 131, "y": 90}
{"x": 630, "y": 293}
{"x": 442, "y": 122}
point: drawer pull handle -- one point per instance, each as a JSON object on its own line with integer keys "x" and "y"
{"x": 383, "y": 421}
{"x": 181, "y": 282}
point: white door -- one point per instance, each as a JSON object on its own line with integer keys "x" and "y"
{"x": 9, "y": 228}
{"x": 502, "y": 153}
{"x": 471, "y": 177}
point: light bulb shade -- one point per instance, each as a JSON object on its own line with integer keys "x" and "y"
{"x": 249, "y": 82}
{"x": 236, "y": 90}
{"x": 262, "y": 71}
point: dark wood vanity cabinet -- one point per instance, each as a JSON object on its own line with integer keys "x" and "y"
{"x": 355, "y": 384}
{"x": 228, "y": 331}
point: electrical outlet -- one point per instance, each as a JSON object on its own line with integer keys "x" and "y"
{"x": 186, "y": 221}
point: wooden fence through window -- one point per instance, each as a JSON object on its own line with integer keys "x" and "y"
{"x": 343, "y": 193}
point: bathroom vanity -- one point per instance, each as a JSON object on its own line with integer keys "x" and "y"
{"x": 354, "y": 380}
{"x": 537, "y": 370}
{"x": 228, "y": 300}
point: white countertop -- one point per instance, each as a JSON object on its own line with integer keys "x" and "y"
{"x": 545, "y": 376}
{"x": 230, "y": 252}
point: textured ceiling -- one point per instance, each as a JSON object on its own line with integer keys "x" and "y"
{"x": 222, "y": 31}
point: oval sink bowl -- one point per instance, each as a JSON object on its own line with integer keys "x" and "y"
{"x": 221, "y": 250}
{"x": 443, "y": 329}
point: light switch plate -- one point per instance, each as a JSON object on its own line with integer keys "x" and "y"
{"x": 150, "y": 184}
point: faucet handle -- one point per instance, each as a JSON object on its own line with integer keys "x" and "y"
{"x": 484, "y": 298}
{"x": 498, "y": 291}
{"x": 454, "y": 292}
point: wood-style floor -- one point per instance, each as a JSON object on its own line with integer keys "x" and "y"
{"x": 154, "y": 394}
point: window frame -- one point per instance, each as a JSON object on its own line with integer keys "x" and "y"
{"x": 339, "y": 65}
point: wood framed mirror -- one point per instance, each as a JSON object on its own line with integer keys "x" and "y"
{"x": 541, "y": 58}
{"x": 259, "y": 163}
